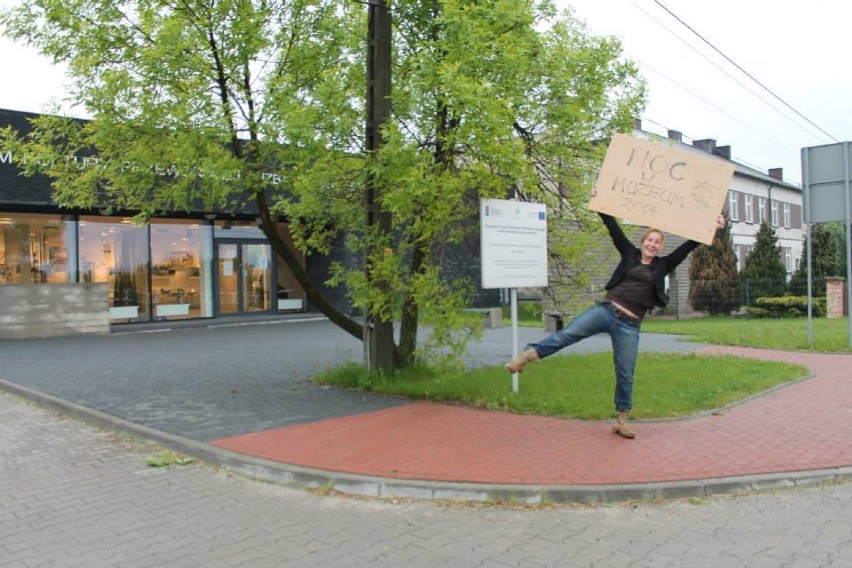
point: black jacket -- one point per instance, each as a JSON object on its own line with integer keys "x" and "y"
{"x": 631, "y": 256}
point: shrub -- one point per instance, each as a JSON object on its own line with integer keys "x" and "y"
{"x": 527, "y": 310}
{"x": 784, "y": 306}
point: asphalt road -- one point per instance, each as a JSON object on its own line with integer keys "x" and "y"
{"x": 216, "y": 382}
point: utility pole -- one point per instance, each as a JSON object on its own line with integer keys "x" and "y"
{"x": 378, "y": 333}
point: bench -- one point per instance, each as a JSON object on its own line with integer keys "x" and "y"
{"x": 555, "y": 321}
{"x": 491, "y": 317}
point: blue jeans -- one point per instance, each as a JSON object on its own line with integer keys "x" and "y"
{"x": 624, "y": 333}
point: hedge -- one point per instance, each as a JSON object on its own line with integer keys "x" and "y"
{"x": 785, "y": 307}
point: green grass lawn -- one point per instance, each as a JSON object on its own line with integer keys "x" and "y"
{"x": 829, "y": 335}
{"x": 582, "y": 386}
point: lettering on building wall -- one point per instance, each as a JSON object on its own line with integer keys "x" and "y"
{"x": 165, "y": 172}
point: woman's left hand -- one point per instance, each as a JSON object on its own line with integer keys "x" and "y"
{"x": 720, "y": 221}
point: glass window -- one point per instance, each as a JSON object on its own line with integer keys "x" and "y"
{"x": 181, "y": 269}
{"x": 237, "y": 230}
{"x": 114, "y": 250}
{"x": 732, "y": 206}
{"x": 37, "y": 248}
{"x": 761, "y": 209}
{"x": 787, "y": 215}
{"x": 747, "y": 213}
{"x": 290, "y": 294}
{"x": 773, "y": 212}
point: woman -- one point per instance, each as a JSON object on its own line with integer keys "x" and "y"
{"x": 636, "y": 287}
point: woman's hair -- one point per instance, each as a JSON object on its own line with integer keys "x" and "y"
{"x": 653, "y": 230}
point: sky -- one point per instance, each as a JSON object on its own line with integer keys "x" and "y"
{"x": 766, "y": 77}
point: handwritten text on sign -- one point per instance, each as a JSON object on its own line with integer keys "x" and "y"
{"x": 671, "y": 189}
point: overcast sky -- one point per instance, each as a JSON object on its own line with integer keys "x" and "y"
{"x": 795, "y": 49}
{"x": 798, "y": 50}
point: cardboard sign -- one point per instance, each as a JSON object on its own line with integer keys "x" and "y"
{"x": 674, "y": 190}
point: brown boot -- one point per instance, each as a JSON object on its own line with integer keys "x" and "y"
{"x": 621, "y": 427}
{"x": 517, "y": 364}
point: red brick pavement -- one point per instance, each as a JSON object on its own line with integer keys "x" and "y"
{"x": 805, "y": 426}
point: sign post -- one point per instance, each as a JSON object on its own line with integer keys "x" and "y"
{"x": 828, "y": 197}
{"x": 513, "y": 237}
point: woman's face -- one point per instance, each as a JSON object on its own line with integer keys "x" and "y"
{"x": 652, "y": 244}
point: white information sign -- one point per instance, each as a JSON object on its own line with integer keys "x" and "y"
{"x": 514, "y": 243}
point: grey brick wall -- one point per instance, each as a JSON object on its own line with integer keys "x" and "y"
{"x": 50, "y": 310}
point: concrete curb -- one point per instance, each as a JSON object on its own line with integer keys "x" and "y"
{"x": 387, "y": 488}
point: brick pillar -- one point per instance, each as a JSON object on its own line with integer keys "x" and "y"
{"x": 835, "y": 296}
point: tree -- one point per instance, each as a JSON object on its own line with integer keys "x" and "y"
{"x": 825, "y": 262}
{"x": 764, "y": 274}
{"x": 841, "y": 237}
{"x": 489, "y": 99}
{"x": 714, "y": 280}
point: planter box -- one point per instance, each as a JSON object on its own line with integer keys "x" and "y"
{"x": 289, "y": 305}
{"x": 124, "y": 312}
{"x": 164, "y": 310}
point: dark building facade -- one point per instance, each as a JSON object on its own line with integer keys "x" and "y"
{"x": 185, "y": 265}
{"x": 199, "y": 264}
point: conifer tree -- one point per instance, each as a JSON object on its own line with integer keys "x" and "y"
{"x": 824, "y": 251}
{"x": 764, "y": 274}
{"x": 714, "y": 280}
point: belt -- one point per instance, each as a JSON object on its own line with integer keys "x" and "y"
{"x": 621, "y": 314}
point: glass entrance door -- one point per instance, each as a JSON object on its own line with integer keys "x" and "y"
{"x": 256, "y": 282}
{"x": 244, "y": 277}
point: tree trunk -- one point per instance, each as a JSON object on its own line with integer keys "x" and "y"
{"x": 283, "y": 251}
{"x": 410, "y": 313}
